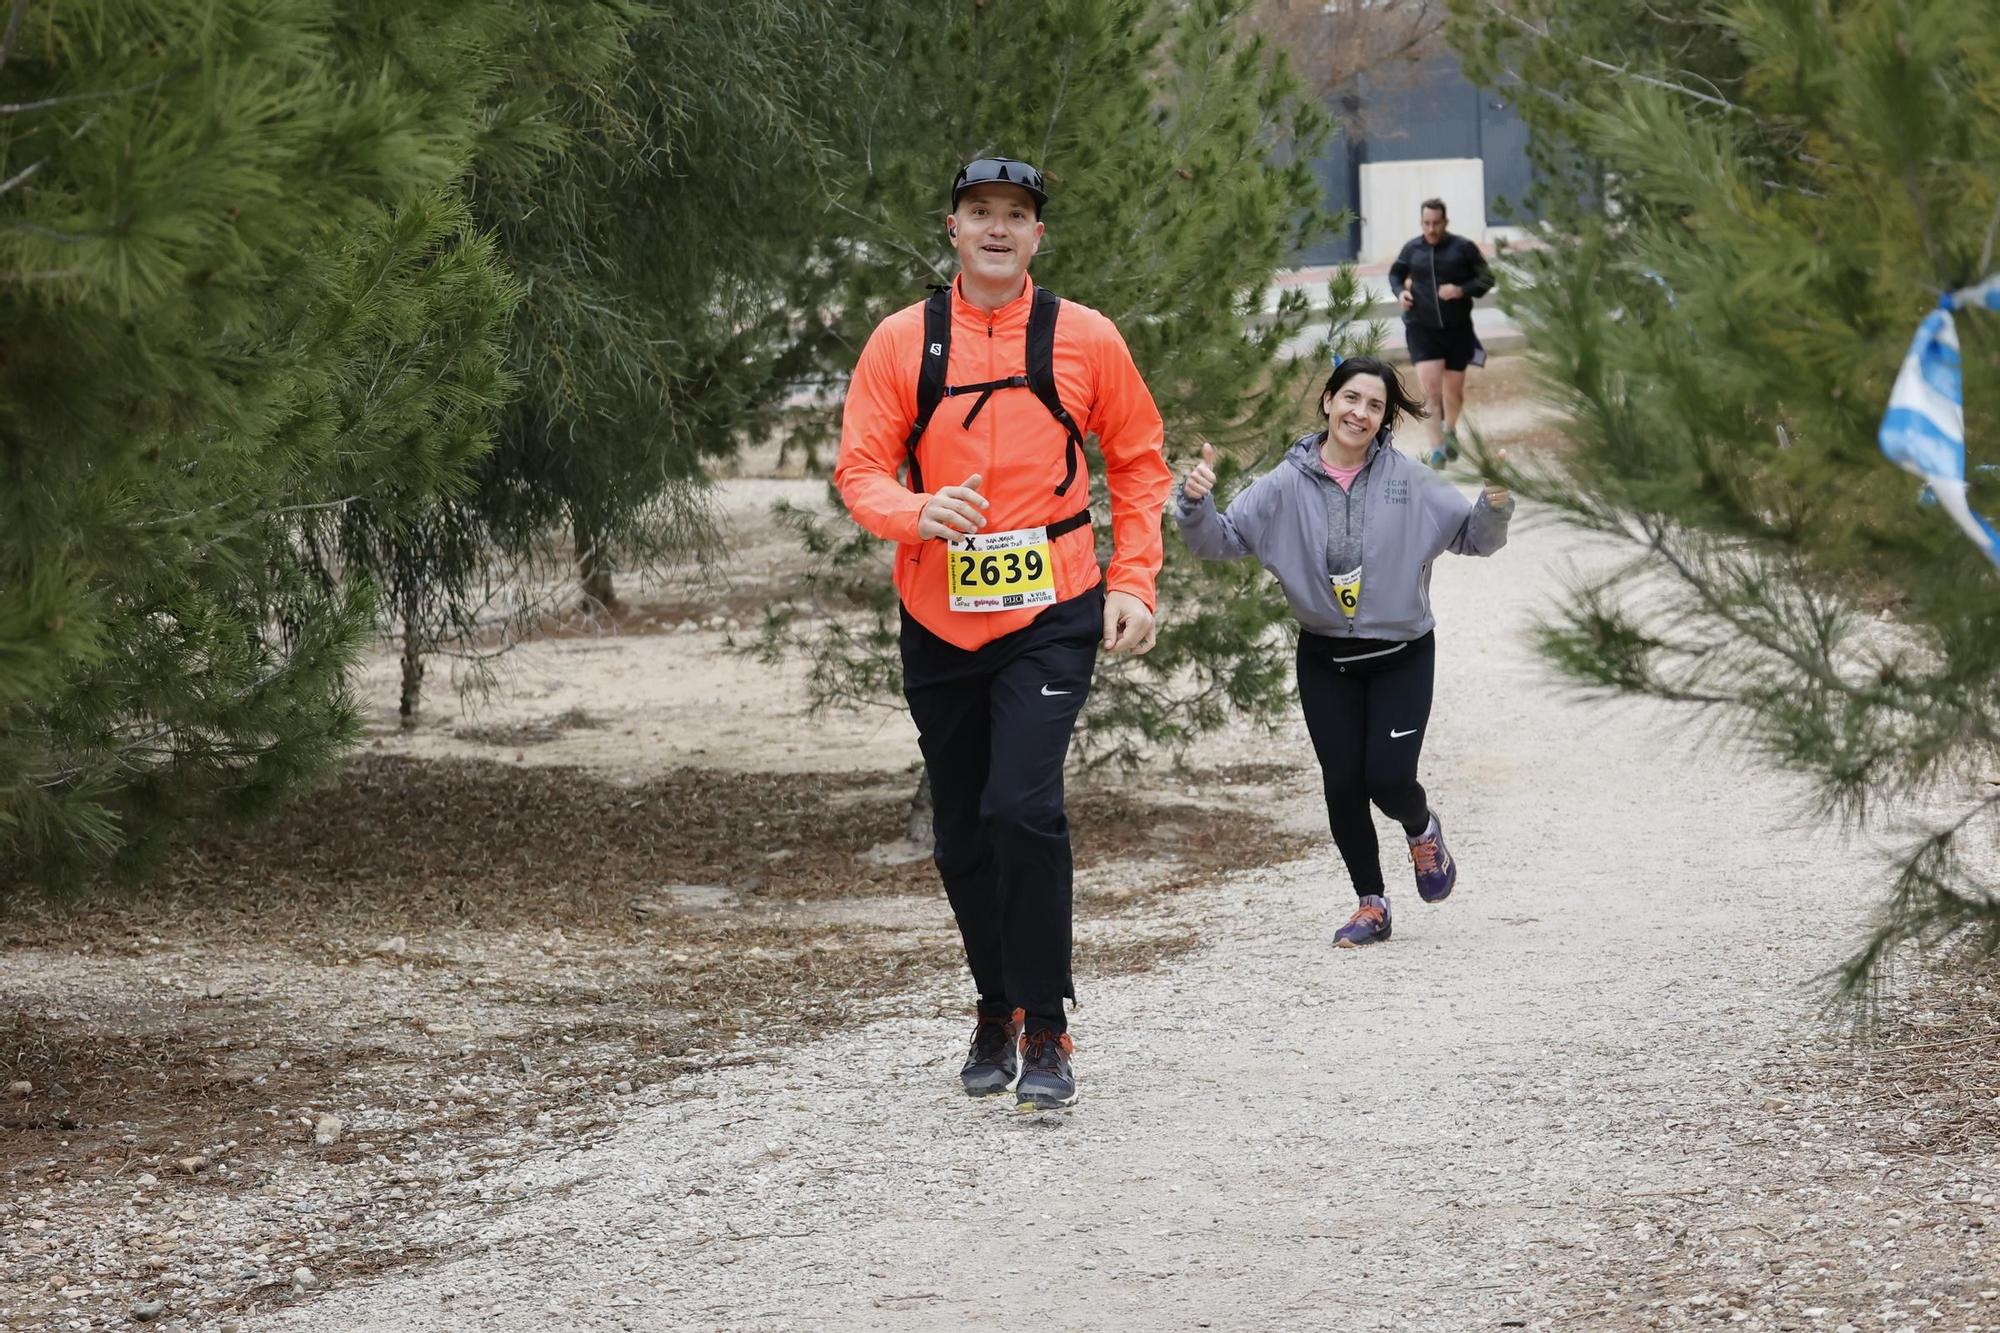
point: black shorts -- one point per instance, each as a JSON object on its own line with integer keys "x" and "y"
{"x": 1456, "y": 345}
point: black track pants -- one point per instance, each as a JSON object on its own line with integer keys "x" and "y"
{"x": 994, "y": 724}
{"x": 1367, "y": 703}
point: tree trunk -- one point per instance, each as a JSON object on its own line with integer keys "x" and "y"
{"x": 594, "y": 573}
{"x": 918, "y": 829}
{"x": 413, "y": 666}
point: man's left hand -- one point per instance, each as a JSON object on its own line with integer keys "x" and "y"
{"x": 1450, "y": 291}
{"x": 1128, "y": 625}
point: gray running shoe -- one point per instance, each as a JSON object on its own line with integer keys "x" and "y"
{"x": 995, "y": 1059}
{"x": 1047, "y": 1081}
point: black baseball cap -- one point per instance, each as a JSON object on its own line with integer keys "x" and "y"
{"x": 1000, "y": 171}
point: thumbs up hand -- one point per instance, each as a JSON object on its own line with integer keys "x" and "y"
{"x": 953, "y": 510}
{"x": 1200, "y": 478}
{"x": 1496, "y": 494}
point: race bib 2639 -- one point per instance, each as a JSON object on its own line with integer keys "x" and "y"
{"x": 999, "y": 571}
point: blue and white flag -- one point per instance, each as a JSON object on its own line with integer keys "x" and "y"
{"x": 1924, "y": 429}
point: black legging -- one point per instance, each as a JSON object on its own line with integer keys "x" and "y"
{"x": 1367, "y": 703}
{"x": 994, "y": 724}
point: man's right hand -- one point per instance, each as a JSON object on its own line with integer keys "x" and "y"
{"x": 1200, "y": 478}
{"x": 1406, "y": 298}
{"x": 953, "y": 511}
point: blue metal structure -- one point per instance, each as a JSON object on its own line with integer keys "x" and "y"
{"x": 1426, "y": 112}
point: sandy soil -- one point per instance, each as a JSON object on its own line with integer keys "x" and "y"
{"x": 1594, "y": 1090}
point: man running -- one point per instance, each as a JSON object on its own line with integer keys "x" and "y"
{"x": 1003, "y": 606}
{"x": 1436, "y": 278}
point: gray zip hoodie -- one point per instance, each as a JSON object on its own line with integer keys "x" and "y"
{"x": 1408, "y": 516}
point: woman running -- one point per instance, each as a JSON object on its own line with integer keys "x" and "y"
{"x": 1350, "y": 526}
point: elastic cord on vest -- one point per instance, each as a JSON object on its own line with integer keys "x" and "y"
{"x": 984, "y": 391}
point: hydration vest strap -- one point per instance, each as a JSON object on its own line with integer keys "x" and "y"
{"x": 930, "y": 380}
{"x": 1042, "y": 376}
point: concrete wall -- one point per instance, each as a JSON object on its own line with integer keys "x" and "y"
{"x": 1392, "y": 196}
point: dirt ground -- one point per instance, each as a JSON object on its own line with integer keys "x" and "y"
{"x": 619, "y": 1001}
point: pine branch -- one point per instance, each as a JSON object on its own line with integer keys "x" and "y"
{"x": 1885, "y": 694}
{"x": 1908, "y": 917}
{"x": 1986, "y": 252}
{"x": 341, "y": 503}
{"x": 22, "y": 175}
{"x": 1056, "y": 105}
{"x": 13, "y": 27}
{"x": 17, "y": 108}
{"x": 51, "y": 234}
{"x": 1515, "y": 79}
{"x": 1670, "y": 20}
{"x": 895, "y": 242}
{"x": 1622, "y": 71}
{"x": 1914, "y": 188}
{"x": 193, "y": 515}
{"x": 1819, "y": 670}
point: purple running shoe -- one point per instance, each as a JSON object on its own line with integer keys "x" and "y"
{"x": 1368, "y": 925}
{"x": 1436, "y": 871}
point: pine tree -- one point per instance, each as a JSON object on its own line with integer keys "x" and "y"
{"x": 1176, "y": 147}
{"x": 445, "y": 547}
{"x": 1556, "y": 59}
{"x": 434, "y": 332}
{"x": 647, "y": 184}
{"x": 1785, "y": 197}
{"x": 242, "y": 296}
{"x": 655, "y": 336}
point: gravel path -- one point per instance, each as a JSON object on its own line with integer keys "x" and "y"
{"x": 1491, "y": 1122}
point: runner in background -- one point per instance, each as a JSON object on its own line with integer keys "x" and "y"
{"x": 1436, "y": 278}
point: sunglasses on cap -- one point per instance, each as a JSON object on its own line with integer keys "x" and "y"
{"x": 1000, "y": 171}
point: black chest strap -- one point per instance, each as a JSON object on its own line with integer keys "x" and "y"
{"x": 1063, "y": 526}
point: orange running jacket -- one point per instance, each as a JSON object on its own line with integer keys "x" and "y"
{"x": 1014, "y": 444}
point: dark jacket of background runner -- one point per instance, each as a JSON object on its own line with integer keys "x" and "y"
{"x": 1453, "y": 260}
